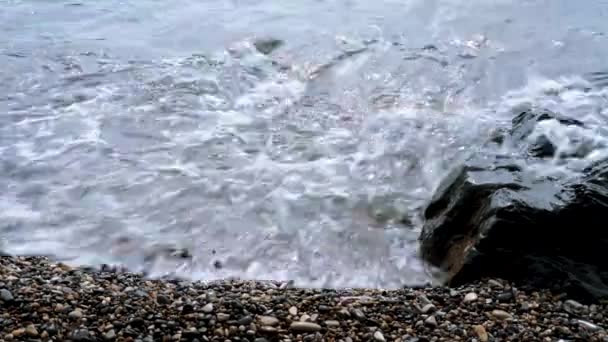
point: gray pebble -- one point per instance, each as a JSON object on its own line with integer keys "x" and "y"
{"x": 208, "y": 308}
{"x": 82, "y": 335}
{"x": 470, "y": 297}
{"x": 246, "y": 320}
{"x": 6, "y": 295}
{"x": 428, "y": 308}
{"x": 332, "y": 324}
{"x": 268, "y": 321}
{"x": 358, "y": 314}
{"x": 379, "y": 337}
{"x": 572, "y": 306}
{"x": 110, "y": 335}
{"x": 495, "y": 283}
{"x": 588, "y": 325}
{"x": 76, "y": 314}
{"x": 222, "y": 317}
{"x": 431, "y": 321}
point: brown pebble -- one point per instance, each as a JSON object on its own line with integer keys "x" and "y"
{"x": 304, "y": 327}
{"x": 481, "y": 333}
{"x": 501, "y": 314}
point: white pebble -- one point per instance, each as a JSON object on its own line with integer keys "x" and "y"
{"x": 379, "y": 337}
{"x": 470, "y": 297}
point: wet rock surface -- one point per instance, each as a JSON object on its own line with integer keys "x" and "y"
{"x": 492, "y": 217}
{"x": 110, "y": 309}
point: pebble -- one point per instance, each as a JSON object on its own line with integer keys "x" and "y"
{"x": 76, "y": 314}
{"x": 501, "y": 314}
{"x": 110, "y": 335}
{"x": 495, "y": 283}
{"x": 470, "y": 297}
{"x": 293, "y": 311}
{"x": 572, "y": 306}
{"x": 481, "y": 333}
{"x": 588, "y": 325}
{"x": 308, "y": 327}
{"x": 31, "y": 330}
{"x": 332, "y": 324}
{"x": 358, "y": 314}
{"x": 428, "y": 308}
{"x": 222, "y": 317}
{"x": 378, "y": 336}
{"x": 208, "y": 308}
{"x": 431, "y": 321}
{"x": 268, "y": 321}
{"x": 6, "y": 295}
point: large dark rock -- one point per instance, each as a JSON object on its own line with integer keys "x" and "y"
{"x": 492, "y": 218}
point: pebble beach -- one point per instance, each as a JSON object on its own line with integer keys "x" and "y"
{"x": 41, "y": 300}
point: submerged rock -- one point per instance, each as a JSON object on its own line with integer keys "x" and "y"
{"x": 492, "y": 218}
{"x": 267, "y": 45}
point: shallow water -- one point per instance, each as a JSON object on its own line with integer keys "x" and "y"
{"x": 127, "y": 129}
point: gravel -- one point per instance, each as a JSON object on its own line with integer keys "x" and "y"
{"x": 45, "y": 301}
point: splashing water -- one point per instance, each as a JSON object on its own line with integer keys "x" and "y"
{"x": 299, "y": 163}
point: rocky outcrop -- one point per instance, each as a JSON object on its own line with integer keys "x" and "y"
{"x": 492, "y": 218}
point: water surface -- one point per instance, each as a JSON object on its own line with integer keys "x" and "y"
{"x": 130, "y": 128}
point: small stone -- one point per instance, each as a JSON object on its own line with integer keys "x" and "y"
{"x": 18, "y": 333}
{"x": 505, "y": 296}
{"x": 6, "y": 296}
{"x": 495, "y": 283}
{"x": 358, "y": 314}
{"x": 481, "y": 333}
{"x": 82, "y": 335}
{"x": 431, "y": 321}
{"x": 470, "y": 297}
{"x": 267, "y": 45}
{"x": 306, "y": 327}
{"x": 110, "y": 335}
{"x": 293, "y": 311}
{"x": 208, "y": 308}
{"x": 584, "y": 324}
{"x": 332, "y": 324}
{"x": 379, "y": 337}
{"x": 424, "y": 300}
{"x": 137, "y": 322}
{"x": 76, "y": 314}
{"x": 8, "y": 337}
{"x": 572, "y": 306}
{"x": 428, "y": 308}
{"x": 501, "y": 315}
{"x": 261, "y": 339}
{"x": 31, "y": 331}
{"x": 222, "y": 317}
{"x": 44, "y": 335}
{"x": 268, "y": 321}
{"x": 245, "y": 320}
{"x": 162, "y": 299}
{"x": 268, "y": 329}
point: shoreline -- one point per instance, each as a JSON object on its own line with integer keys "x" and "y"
{"x": 46, "y": 301}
